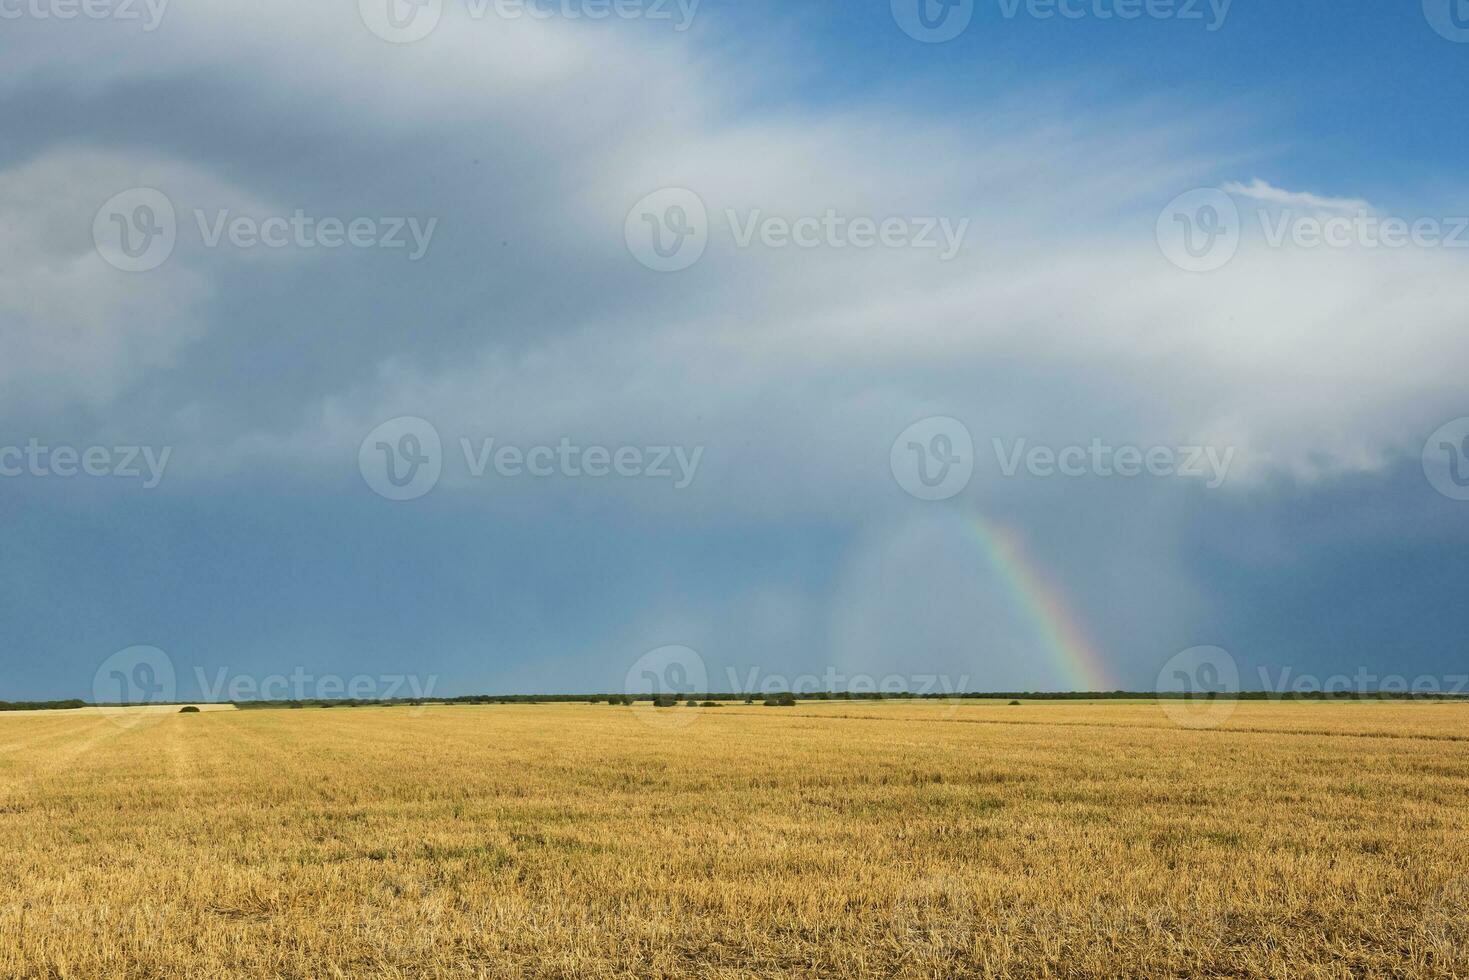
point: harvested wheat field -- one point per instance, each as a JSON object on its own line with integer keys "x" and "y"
{"x": 827, "y": 839}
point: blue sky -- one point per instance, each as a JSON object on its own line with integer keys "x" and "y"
{"x": 529, "y": 154}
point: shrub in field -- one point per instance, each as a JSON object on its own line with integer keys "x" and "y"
{"x": 665, "y": 701}
{"x": 188, "y": 710}
{"x": 693, "y": 703}
{"x": 1014, "y": 702}
{"x": 710, "y": 704}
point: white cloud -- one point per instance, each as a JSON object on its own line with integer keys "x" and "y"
{"x": 74, "y": 329}
{"x": 1059, "y": 319}
{"x": 1259, "y": 190}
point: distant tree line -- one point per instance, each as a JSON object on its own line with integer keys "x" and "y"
{"x": 788, "y": 698}
{"x": 40, "y": 705}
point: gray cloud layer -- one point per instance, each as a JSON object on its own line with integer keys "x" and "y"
{"x": 527, "y": 318}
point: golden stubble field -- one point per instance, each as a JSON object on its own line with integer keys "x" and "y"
{"x": 828, "y": 839}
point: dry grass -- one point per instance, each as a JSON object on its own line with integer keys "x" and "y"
{"x": 1069, "y": 840}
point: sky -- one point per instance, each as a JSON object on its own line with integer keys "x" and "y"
{"x": 485, "y": 346}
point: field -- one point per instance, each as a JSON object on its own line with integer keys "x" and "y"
{"x": 827, "y": 839}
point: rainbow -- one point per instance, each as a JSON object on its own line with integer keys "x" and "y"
{"x": 1045, "y": 606}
